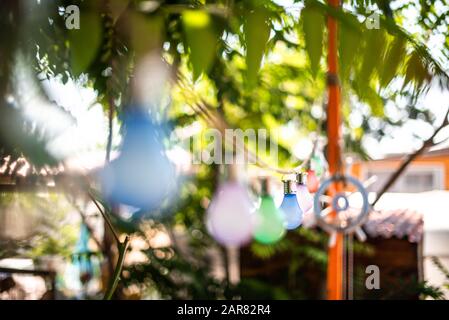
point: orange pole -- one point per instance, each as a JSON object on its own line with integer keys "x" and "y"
{"x": 335, "y": 253}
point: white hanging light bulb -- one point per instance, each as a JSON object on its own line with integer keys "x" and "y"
{"x": 229, "y": 217}
{"x": 303, "y": 195}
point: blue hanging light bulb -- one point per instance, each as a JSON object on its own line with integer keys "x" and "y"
{"x": 141, "y": 176}
{"x": 290, "y": 207}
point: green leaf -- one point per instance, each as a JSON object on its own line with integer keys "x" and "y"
{"x": 257, "y": 32}
{"x": 416, "y": 72}
{"x": 375, "y": 102}
{"x": 313, "y": 25}
{"x": 393, "y": 59}
{"x": 349, "y": 45}
{"x": 147, "y": 33}
{"x": 201, "y": 40}
{"x": 374, "y": 49}
{"x": 85, "y": 42}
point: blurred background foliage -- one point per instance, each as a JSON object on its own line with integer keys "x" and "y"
{"x": 36, "y": 226}
{"x": 256, "y": 63}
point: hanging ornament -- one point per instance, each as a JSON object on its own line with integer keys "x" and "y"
{"x": 270, "y": 221}
{"x": 312, "y": 181}
{"x": 142, "y": 175}
{"x": 316, "y": 164}
{"x": 82, "y": 256}
{"x": 350, "y": 214}
{"x": 305, "y": 199}
{"x": 229, "y": 218}
{"x": 290, "y": 207}
{"x": 318, "y": 161}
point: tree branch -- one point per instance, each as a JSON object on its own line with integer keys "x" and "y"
{"x": 105, "y": 217}
{"x": 122, "y": 248}
{"x": 84, "y": 220}
{"x": 409, "y": 159}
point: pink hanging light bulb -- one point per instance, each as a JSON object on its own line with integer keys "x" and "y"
{"x": 229, "y": 218}
{"x": 312, "y": 181}
{"x": 305, "y": 199}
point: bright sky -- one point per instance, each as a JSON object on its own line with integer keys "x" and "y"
{"x": 402, "y": 138}
{"x": 82, "y": 140}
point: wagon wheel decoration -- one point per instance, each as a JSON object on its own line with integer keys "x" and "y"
{"x": 350, "y": 212}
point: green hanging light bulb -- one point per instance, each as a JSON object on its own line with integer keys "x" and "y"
{"x": 270, "y": 221}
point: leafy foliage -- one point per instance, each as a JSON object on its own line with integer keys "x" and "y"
{"x": 201, "y": 40}
{"x": 49, "y": 233}
{"x": 313, "y": 27}
{"x": 257, "y": 32}
{"x": 254, "y": 63}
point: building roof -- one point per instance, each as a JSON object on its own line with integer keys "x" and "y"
{"x": 433, "y": 152}
{"x": 397, "y": 223}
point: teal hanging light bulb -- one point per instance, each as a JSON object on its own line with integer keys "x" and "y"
{"x": 290, "y": 207}
{"x": 318, "y": 161}
{"x": 316, "y": 164}
{"x": 270, "y": 221}
{"x": 82, "y": 256}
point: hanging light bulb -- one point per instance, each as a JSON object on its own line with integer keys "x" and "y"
{"x": 290, "y": 207}
{"x": 229, "y": 218}
{"x": 82, "y": 256}
{"x": 312, "y": 181}
{"x": 316, "y": 164}
{"x": 305, "y": 199}
{"x": 270, "y": 221}
{"x": 318, "y": 161}
{"x": 142, "y": 175}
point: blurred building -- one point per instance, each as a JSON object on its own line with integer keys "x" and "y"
{"x": 428, "y": 172}
{"x": 424, "y": 188}
{"x": 394, "y": 244}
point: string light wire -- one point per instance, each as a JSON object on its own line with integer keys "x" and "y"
{"x": 202, "y": 108}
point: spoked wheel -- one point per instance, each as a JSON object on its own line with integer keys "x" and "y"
{"x": 349, "y": 213}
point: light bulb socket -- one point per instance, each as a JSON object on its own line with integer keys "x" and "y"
{"x": 265, "y": 186}
{"x": 289, "y": 187}
{"x": 232, "y": 173}
{"x": 301, "y": 178}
